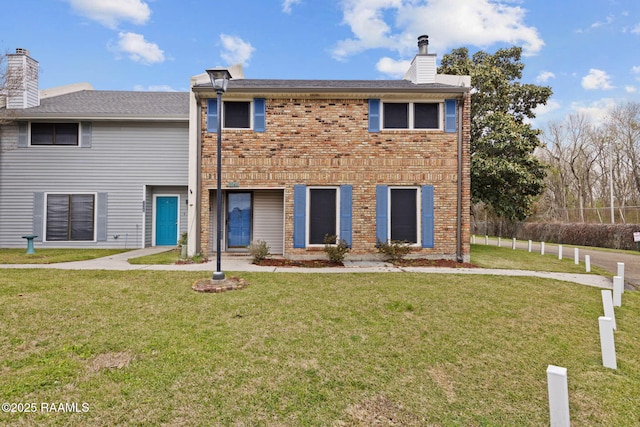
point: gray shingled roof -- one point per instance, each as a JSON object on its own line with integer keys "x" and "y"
{"x": 113, "y": 104}
{"x": 248, "y": 85}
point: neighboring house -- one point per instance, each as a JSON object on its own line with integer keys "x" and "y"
{"x": 367, "y": 161}
{"x": 91, "y": 169}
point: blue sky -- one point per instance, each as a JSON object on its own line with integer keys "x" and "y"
{"x": 588, "y": 51}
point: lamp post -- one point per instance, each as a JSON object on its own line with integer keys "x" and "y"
{"x": 219, "y": 80}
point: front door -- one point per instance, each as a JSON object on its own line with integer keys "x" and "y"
{"x": 167, "y": 221}
{"x": 239, "y": 220}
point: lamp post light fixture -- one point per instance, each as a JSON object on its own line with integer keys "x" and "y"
{"x": 219, "y": 80}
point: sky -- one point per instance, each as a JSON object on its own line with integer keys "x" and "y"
{"x": 587, "y": 51}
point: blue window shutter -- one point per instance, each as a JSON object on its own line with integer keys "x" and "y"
{"x": 85, "y": 135}
{"x": 101, "y": 226}
{"x": 299, "y": 215}
{"x": 346, "y": 192}
{"x": 38, "y": 216}
{"x": 450, "y": 108}
{"x": 212, "y": 115}
{"x": 23, "y": 134}
{"x": 374, "y": 115}
{"x": 382, "y": 209}
{"x": 427, "y": 216}
{"x": 259, "y": 115}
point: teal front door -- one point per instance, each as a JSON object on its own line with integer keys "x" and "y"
{"x": 167, "y": 221}
{"x": 239, "y": 220}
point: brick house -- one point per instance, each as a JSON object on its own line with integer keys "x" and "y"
{"x": 365, "y": 160}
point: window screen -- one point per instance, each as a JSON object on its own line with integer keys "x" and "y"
{"x": 54, "y": 133}
{"x": 322, "y": 214}
{"x": 396, "y": 115}
{"x": 70, "y": 217}
{"x": 404, "y": 225}
{"x": 236, "y": 114}
{"x": 425, "y": 116}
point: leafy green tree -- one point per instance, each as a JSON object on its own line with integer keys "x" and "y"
{"x": 505, "y": 174}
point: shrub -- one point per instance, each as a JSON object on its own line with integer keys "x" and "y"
{"x": 335, "y": 249}
{"x": 394, "y": 250}
{"x": 615, "y": 236}
{"x": 259, "y": 250}
{"x": 183, "y": 239}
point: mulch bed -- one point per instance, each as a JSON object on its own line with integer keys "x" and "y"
{"x": 408, "y": 262}
{"x": 216, "y": 286}
{"x": 311, "y": 263}
{"x": 422, "y": 262}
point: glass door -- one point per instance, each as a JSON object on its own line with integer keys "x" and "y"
{"x": 238, "y": 220}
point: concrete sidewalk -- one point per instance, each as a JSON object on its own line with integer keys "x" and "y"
{"x": 232, "y": 263}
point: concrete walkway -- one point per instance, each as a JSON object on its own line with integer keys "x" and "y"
{"x": 232, "y": 263}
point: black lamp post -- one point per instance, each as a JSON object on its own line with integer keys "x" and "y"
{"x": 219, "y": 80}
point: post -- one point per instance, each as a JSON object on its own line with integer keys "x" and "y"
{"x": 559, "y": 251}
{"x": 499, "y": 241}
{"x": 587, "y": 263}
{"x": 486, "y": 239}
{"x": 541, "y": 248}
{"x": 607, "y": 305}
{"x": 219, "y": 274}
{"x": 607, "y": 344}
{"x": 473, "y": 239}
{"x": 558, "y": 396}
{"x": 576, "y": 256}
{"x": 529, "y": 246}
{"x": 621, "y": 273}
{"x": 513, "y": 244}
{"x": 617, "y": 291}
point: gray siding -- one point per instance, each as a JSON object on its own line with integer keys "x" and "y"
{"x": 268, "y": 219}
{"x": 123, "y": 158}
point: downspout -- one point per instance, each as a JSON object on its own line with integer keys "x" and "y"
{"x": 459, "y": 256}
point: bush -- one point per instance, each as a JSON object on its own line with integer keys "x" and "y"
{"x": 259, "y": 250}
{"x": 614, "y": 236}
{"x": 335, "y": 249}
{"x": 394, "y": 250}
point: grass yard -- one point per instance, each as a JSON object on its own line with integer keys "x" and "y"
{"x": 141, "y": 348}
{"x": 51, "y": 256}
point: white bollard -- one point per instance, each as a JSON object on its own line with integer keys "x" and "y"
{"x": 621, "y": 273}
{"x": 499, "y": 239}
{"x": 587, "y": 263}
{"x": 473, "y": 239}
{"x": 529, "y": 246}
{"x": 558, "y": 396}
{"x": 607, "y": 344}
{"x": 607, "y": 305}
{"x": 486, "y": 240}
{"x": 576, "y": 256}
{"x": 541, "y": 248}
{"x": 513, "y": 244}
{"x": 559, "y": 251}
{"x": 617, "y": 291}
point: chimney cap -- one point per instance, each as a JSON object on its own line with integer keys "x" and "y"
{"x": 423, "y": 45}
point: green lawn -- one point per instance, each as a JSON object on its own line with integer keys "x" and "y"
{"x": 51, "y": 256}
{"x": 141, "y": 348}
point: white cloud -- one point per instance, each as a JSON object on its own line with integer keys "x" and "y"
{"x": 111, "y": 12}
{"x": 595, "y": 111}
{"x": 596, "y": 79}
{"x": 542, "y": 110}
{"x": 392, "y": 67}
{"x": 636, "y": 29}
{"x": 545, "y": 76}
{"x": 286, "y": 5}
{"x": 395, "y": 25}
{"x": 154, "y": 88}
{"x": 138, "y": 49}
{"x": 235, "y": 50}
{"x": 630, "y": 89}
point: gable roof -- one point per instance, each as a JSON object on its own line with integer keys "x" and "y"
{"x": 112, "y": 105}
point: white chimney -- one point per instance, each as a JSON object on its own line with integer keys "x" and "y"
{"x": 423, "y": 68}
{"x": 22, "y": 80}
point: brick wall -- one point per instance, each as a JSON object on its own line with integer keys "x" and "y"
{"x": 326, "y": 142}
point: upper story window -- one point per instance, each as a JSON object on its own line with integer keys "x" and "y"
{"x": 411, "y": 115}
{"x": 237, "y": 114}
{"x": 54, "y": 134}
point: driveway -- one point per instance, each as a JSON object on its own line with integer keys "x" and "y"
{"x": 599, "y": 257}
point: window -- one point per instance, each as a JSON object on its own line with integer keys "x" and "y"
{"x": 237, "y": 114}
{"x": 411, "y": 115}
{"x": 322, "y": 214}
{"x": 70, "y": 217}
{"x": 54, "y": 133}
{"x": 405, "y": 214}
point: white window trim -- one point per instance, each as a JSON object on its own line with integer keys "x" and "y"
{"x": 78, "y": 145}
{"x": 95, "y": 215}
{"x": 308, "y": 212}
{"x": 251, "y": 113}
{"x": 154, "y": 213}
{"x": 418, "y": 242}
{"x": 441, "y": 117}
